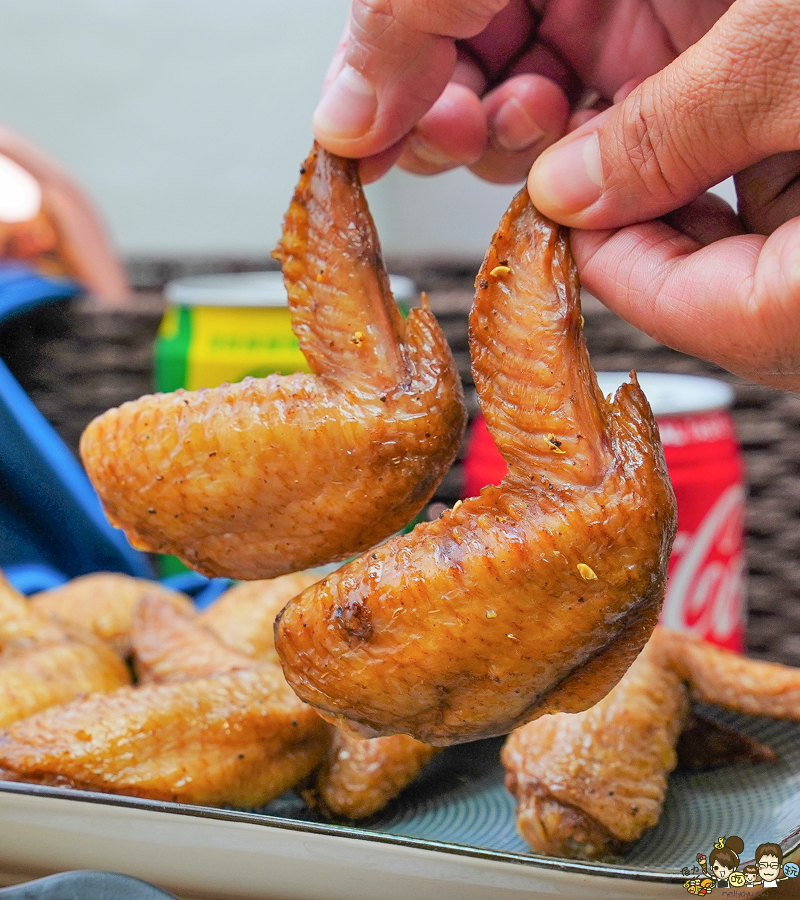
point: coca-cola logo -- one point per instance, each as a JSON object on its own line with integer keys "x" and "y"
{"x": 705, "y": 592}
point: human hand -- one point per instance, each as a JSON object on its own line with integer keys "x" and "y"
{"x": 67, "y": 226}
{"x": 489, "y": 83}
{"x": 698, "y": 279}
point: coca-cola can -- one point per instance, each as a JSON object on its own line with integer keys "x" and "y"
{"x": 706, "y": 586}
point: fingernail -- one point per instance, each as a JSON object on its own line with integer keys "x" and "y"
{"x": 428, "y": 156}
{"x": 568, "y": 177}
{"x": 348, "y": 107}
{"x": 513, "y": 128}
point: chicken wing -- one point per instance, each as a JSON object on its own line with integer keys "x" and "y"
{"x": 275, "y": 475}
{"x": 535, "y": 596}
{"x": 169, "y": 645}
{"x": 244, "y": 616}
{"x": 102, "y": 603}
{"x": 237, "y": 739}
{"x": 591, "y": 783}
{"x": 33, "y": 678}
{"x": 361, "y": 775}
{"x": 210, "y": 725}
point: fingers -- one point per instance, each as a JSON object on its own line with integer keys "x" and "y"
{"x": 524, "y": 115}
{"x": 453, "y": 133}
{"x": 729, "y": 100}
{"x": 735, "y": 302}
{"x": 769, "y": 192}
{"x": 399, "y": 56}
{"x": 84, "y": 243}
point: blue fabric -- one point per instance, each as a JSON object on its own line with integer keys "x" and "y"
{"x": 50, "y": 515}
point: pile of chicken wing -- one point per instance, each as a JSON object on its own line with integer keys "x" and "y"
{"x": 204, "y": 715}
{"x": 210, "y": 719}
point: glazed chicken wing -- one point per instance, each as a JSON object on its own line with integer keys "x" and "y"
{"x": 239, "y": 739}
{"x": 243, "y": 617}
{"x": 535, "y": 596}
{"x": 589, "y": 784}
{"x": 102, "y": 603}
{"x": 275, "y": 475}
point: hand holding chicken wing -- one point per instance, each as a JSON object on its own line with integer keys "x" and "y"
{"x": 274, "y": 475}
{"x": 538, "y": 594}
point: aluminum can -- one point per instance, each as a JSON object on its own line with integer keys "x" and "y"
{"x": 706, "y": 590}
{"x": 227, "y": 326}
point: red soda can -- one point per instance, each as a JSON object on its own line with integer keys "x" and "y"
{"x": 706, "y": 586}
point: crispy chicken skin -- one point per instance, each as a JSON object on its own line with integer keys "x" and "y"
{"x": 102, "y": 603}
{"x": 275, "y": 475}
{"x": 535, "y": 596}
{"x": 243, "y": 617}
{"x": 590, "y": 784}
{"x": 361, "y": 775}
{"x": 219, "y": 729}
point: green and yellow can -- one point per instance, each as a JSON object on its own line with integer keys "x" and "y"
{"x": 222, "y": 328}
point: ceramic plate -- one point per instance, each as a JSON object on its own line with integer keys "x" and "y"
{"x": 451, "y": 835}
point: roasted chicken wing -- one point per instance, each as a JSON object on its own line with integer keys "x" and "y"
{"x": 361, "y": 775}
{"x": 239, "y": 739}
{"x": 275, "y": 475}
{"x": 33, "y": 678}
{"x": 102, "y": 603}
{"x": 590, "y": 783}
{"x": 244, "y": 616}
{"x": 221, "y": 729}
{"x": 535, "y": 596}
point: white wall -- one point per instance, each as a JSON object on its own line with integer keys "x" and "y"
{"x": 187, "y": 121}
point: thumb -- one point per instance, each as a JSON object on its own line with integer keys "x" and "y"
{"x": 726, "y": 102}
{"x": 398, "y": 57}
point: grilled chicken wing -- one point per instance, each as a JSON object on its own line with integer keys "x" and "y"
{"x": 275, "y": 475}
{"x": 589, "y": 784}
{"x": 244, "y": 616}
{"x": 361, "y": 775}
{"x": 103, "y": 603}
{"x": 535, "y": 596}
{"x": 221, "y": 729}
